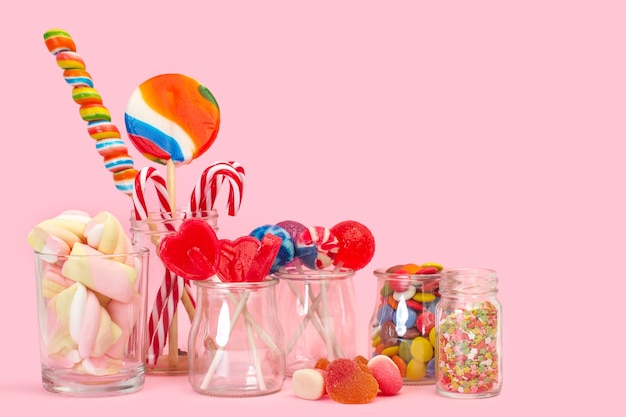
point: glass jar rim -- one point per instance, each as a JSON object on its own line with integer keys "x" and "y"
{"x": 293, "y": 273}
{"x": 462, "y": 272}
{"x": 137, "y": 250}
{"x": 243, "y": 285}
{"x": 383, "y": 274}
{"x": 178, "y": 214}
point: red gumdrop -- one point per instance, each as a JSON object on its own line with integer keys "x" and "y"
{"x": 386, "y": 373}
{"x": 346, "y": 383}
{"x": 356, "y": 244}
{"x": 192, "y": 252}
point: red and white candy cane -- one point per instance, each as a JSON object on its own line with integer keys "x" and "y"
{"x": 172, "y": 286}
{"x": 206, "y": 189}
{"x": 139, "y": 193}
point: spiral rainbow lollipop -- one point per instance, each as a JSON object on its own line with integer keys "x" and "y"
{"x": 172, "y": 118}
{"x": 92, "y": 110}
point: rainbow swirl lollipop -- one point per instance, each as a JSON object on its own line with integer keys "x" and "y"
{"x": 172, "y": 117}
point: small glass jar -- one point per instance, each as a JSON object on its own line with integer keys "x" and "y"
{"x": 167, "y": 325}
{"x": 403, "y": 323}
{"x": 469, "y": 328}
{"x": 236, "y": 341}
{"x": 92, "y": 311}
{"x": 318, "y": 314}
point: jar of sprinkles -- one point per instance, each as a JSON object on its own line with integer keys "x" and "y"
{"x": 468, "y": 321}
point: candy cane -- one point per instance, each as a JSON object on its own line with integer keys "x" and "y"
{"x": 172, "y": 286}
{"x": 205, "y": 191}
{"x": 165, "y": 306}
{"x": 139, "y": 193}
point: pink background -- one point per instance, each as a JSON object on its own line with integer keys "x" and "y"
{"x": 482, "y": 133}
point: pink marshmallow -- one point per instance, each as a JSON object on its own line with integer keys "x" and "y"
{"x": 108, "y": 277}
{"x": 125, "y": 315}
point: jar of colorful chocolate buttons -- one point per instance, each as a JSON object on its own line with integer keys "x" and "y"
{"x": 469, "y": 334}
{"x": 403, "y": 322}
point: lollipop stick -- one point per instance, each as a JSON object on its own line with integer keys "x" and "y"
{"x": 171, "y": 193}
{"x": 251, "y": 326}
{"x": 255, "y": 357}
{"x": 314, "y": 316}
{"x": 325, "y": 320}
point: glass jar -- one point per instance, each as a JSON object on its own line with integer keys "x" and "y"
{"x": 469, "y": 328}
{"x": 403, "y": 323}
{"x": 167, "y": 325}
{"x": 318, "y": 314}
{"x": 92, "y": 311}
{"x": 236, "y": 341}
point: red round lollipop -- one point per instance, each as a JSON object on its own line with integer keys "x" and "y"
{"x": 356, "y": 244}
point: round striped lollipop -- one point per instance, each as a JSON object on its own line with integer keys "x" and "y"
{"x": 172, "y": 117}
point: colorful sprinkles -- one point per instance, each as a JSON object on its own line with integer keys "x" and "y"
{"x": 468, "y": 350}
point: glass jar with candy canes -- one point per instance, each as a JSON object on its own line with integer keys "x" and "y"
{"x": 468, "y": 320}
{"x": 402, "y": 325}
{"x": 236, "y": 340}
{"x": 316, "y": 296}
{"x": 168, "y": 325}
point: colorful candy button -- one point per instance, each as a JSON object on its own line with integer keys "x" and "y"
{"x": 415, "y": 370}
{"x": 424, "y": 297}
{"x": 421, "y": 349}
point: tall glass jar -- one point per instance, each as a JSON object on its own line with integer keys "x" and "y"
{"x": 318, "y": 314}
{"x": 168, "y": 325}
{"x": 469, "y": 328}
{"x": 236, "y": 341}
{"x": 403, "y": 323}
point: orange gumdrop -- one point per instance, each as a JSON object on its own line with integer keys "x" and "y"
{"x": 400, "y": 364}
{"x": 322, "y": 363}
{"x": 362, "y": 362}
{"x": 347, "y": 384}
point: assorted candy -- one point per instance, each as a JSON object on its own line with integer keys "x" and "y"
{"x": 316, "y": 292}
{"x": 173, "y": 119}
{"x": 348, "y": 381}
{"x": 195, "y": 253}
{"x": 468, "y": 350}
{"x": 403, "y": 323}
{"x": 92, "y": 299}
{"x": 348, "y": 244}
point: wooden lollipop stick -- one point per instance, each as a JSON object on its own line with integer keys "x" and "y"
{"x": 173, "y": 333}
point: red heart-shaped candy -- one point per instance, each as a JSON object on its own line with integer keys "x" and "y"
{"x": 236, "y": 258}
{"x": 192, "y": 252}
{"x": 262, "y": 262}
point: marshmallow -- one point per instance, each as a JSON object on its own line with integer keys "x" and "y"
{"x": 125, "y": 315}
{"x": 105, "y": 233}
{"x": 308, "y": 384}
{"x": 50, "y": 245}
{"x": 52, "y": 282}
{"x": 108, "y": 277}
{"x": 87, "y": 322}
{"x": 75, "y": 215}
{"x": 69, "y": 224}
